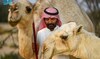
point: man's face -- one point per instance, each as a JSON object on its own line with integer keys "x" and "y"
{"x": 51, "y": 23}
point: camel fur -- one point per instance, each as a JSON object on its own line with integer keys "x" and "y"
{"x": 71, "y": 40}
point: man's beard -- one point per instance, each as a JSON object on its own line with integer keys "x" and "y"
{"x": 51, "y": 26}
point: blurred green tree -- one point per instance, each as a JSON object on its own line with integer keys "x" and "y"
{"x": 3, "y": 13}
{"x": 94, "y": 7}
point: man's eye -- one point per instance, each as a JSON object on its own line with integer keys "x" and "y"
{"x": 46, "y": 18}
{"x": 53, "y": 18}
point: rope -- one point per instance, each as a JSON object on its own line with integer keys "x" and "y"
{"x": 35, "y": 44}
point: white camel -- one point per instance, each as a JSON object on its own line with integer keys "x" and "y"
{"x": 24, "y": 13}
{"x": 73, "y": 40}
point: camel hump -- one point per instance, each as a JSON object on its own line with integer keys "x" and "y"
{"x": 70, "y": 11}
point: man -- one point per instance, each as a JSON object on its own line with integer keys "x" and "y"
{"x": 50, "y": 21}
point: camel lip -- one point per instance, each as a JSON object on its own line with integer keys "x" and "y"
{"x": 14, "y": 23}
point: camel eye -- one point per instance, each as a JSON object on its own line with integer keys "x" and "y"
{"x": 64, "y": 37}
{"x": 28, "y": 9}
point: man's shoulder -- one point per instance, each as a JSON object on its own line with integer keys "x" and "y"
{"x": 42, "y": 30}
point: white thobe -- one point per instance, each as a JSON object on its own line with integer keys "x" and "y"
{"x": 43, "y": 34}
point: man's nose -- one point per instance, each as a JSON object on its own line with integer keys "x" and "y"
{"x": 50, "y": 21}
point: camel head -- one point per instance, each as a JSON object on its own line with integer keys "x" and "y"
{"x": 18, "y": 11}
{"x": 23, "y": 9}
{"x": 69, "y": 34}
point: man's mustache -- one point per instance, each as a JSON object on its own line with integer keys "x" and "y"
{"x": 50, "y": 24}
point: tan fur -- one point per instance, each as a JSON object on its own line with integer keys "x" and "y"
{"x": 25, "y": 32}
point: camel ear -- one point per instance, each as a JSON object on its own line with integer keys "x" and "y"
{"x": 79, "y": 28}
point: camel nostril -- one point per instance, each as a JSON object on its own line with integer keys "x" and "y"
{"x": 63, "y": 37}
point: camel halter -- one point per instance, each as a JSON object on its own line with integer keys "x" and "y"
{"x": 34, "y": 36}
{"x": 35, "y": 42}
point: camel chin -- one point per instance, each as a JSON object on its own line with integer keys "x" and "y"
{"x": 13, "y": 21}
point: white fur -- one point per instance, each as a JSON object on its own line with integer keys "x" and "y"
{"x": 82, "y": 44}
